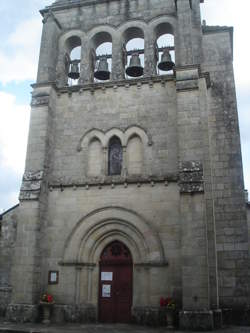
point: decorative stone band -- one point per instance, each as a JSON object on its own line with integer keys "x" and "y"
{"x": 31, "y": 185}
{"x": 112, "y": 181}
{"x": 92, "y": 265}
{"x": 191, "y": 177}
{"x": 40, "y": 100}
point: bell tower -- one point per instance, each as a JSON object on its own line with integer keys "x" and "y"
{"x": 133, "y": 147}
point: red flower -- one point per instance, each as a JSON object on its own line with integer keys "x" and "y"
{"x": 163, "y": 302}
{"x": 49, "y": 299}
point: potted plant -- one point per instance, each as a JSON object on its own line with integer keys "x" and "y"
{"x": 170, "y": 306}
{"x": 46, "y": 303}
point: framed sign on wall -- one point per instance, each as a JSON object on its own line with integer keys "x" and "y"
{"x": 53, "y": 277}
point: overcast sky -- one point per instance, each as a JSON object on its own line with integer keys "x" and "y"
{"x": 20, "y": 32}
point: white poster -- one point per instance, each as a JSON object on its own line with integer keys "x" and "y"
{"x": 106, "y": 290}
{"x": 53, "y": 277}
{"x": 107, "y": 276}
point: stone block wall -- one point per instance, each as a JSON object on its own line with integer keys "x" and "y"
{"x": 227, "y": 187}
{"x": 8, "y": 225}
{"x": 248, "y": 221}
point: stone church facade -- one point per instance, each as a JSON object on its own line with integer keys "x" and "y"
{"x": 133, "y": 187}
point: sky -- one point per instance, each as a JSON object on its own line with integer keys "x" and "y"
{"x": 20, "y": 33}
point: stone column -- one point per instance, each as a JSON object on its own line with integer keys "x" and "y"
{"x": 61, "y": 73}
{"x": 118, "y": 58}
{"x": 87, "y": 63}
{"x": 150, "y": 60}
{"x": 124, "y": 172}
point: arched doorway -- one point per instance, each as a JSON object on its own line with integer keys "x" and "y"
{"x": 115, "y": 284}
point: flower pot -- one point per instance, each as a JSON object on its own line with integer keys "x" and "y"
{"x": 46, "y": 308}
{"x": 170, "y": 318}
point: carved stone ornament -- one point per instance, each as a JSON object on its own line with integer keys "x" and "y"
{"x": 29, "y": 195}
{"x": 31, "y": 185}
{"x": 40, "y": 100}
{"x": 29, "y": 175}
{"x": 191, "y": 177}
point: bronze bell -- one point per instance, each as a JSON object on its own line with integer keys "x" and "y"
{"x": 135, "y": 68}
{"x": 166, "y": 63}
{"x": 102, "y": 72}
{"x": 74, "y": 70}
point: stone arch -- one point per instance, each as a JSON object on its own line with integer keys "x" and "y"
{"x": 135, "y": 130}
{"x": 90, "y": 135}
{"x": 131, "y": 28}
{"x": 163, "y": 32}
{"x": 100, "y": 33}
{"x": 105, "y": 137}
{"x": 67, "y": 42}
{"x": 167, "y": 21}
{"x": 94, "y": 157}
{"x": 135, "y": 155}
{"x": 114, "y": 132}
{"x": 101, "y": 226}
{"x": 70, "y": 35}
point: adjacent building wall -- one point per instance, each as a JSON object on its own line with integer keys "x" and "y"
{"x": 8, "y": 225}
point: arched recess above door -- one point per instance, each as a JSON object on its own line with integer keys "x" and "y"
{"x": 100, "y": 227}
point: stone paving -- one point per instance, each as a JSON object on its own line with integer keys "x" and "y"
{"x": 98, "y": 328}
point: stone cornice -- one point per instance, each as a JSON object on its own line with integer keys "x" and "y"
{"x": 65, "y": 4}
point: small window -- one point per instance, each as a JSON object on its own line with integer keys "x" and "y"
{"x": 115, "y": 157}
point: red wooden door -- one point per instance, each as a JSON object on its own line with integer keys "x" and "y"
{"x": 115, "y": 287}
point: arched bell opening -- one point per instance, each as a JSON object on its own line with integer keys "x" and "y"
{"x": 73, "y": 59}
{"x": 165, "y": 49}
{"x": 115, "y": 284}
{"x": 102, "y": 56}
{"x": 134, "y": 52}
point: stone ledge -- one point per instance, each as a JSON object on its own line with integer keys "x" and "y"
{"x": 126, "y": 83}
{"x": 112, "y": 181}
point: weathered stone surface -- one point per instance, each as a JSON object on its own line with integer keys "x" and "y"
{"x": 191, "y": 177}
{"x": 151, "y": 316}
{"x": 79, "y": 314}
{"x": 31, "y": 185}
{"x": 40, "y": 100}
{"x": 21, "y": 313}
{"x": 196, "y": 320}
{"x": 8, "y": 229}
{"x": 33, "y": 176}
